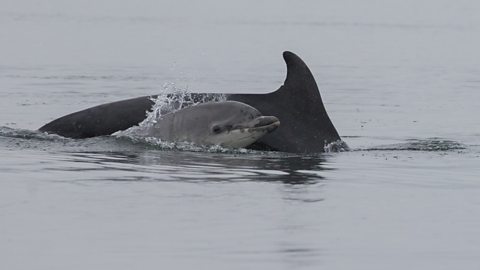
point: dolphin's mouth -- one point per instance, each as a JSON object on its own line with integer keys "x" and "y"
{"x": 242, "y": 136}
{"x": 264, "y": 124}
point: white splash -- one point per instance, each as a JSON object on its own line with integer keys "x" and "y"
{"x": 170, "y": 100}
{"x": 336, "y": 146}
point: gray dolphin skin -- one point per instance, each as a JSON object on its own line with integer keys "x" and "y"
{"x": 229, "y": 124}
{"x": 305, "y": 128}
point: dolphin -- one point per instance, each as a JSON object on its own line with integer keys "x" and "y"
{"x": 229, "y": 124}
{"x": 306, "y": 126}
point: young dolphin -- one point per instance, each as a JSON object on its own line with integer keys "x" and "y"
{"x": 229, "y": 124}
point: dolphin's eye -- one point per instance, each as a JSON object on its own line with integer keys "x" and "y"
{"x": 216, "y": 129}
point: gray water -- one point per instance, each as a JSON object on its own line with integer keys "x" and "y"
{"x": 400, "y": 80}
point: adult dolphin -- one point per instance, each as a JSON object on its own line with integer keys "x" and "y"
{"x": 306, "y": 127}
{"x": 227, "y": 123}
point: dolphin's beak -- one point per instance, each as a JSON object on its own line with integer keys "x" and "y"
{"x": 267, "y": 123}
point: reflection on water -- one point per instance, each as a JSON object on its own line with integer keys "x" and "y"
{"x": 194, "y": 167}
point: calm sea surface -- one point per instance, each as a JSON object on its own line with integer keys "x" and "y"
{"x": 400, "y": 80}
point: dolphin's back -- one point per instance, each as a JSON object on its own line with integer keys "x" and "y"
{"x": 101, "y": 120}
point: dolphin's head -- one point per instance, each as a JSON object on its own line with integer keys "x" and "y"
{"x": 228, "y": 123}
{"x": 239, "y": 125}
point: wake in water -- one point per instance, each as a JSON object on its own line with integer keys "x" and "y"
{"x": 159, "y": 144}
{"x": 25, "y": 134}
{"x": 425, "y": 145}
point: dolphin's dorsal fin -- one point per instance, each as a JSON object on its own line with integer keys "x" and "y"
{"x": 304, "y": 122}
